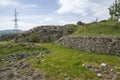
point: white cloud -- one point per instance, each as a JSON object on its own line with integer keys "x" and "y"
{"x": 15, "y": 3}
{"x": 93, "y": 8}
{"x": 74, "y": 6}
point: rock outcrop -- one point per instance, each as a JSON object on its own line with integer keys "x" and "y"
{"x": 16, "y": 67}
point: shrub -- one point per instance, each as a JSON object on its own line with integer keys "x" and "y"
{"x": 103, "y": 21}
{"x": 34, "y": 38}
{"x": 80, "y": 23}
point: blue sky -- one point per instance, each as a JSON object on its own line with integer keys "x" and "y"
{"x": 33, "y": 13}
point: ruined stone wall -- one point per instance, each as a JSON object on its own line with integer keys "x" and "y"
{"x": 103, "y": 45}
{"x": 47, "y": 33}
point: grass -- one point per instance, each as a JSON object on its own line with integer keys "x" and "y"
{"x": 63, "y": 63}
{"x": 15, "y": 48}
{"x": 99, "y": 29}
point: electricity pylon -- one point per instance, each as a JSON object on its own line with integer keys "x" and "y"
{"x": 16, "y": 21}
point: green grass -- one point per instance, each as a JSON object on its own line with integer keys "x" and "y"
{"x": 99, "y": 29}
{"x": 63, "y": 62}
{"x": 16, "y": 48}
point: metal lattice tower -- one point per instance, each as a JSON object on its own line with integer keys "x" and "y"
{"x": 16, "y": 21}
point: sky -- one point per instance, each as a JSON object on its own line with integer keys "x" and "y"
{"x": 33, "y": 13}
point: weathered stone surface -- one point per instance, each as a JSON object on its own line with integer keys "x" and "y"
{"x": 15, "y": 67}
{"x": 103, "y": 45}
{"x": 88, "y": 66}
{"x": 36, "y": 76}
{"x": 104, "y": 73}
{"x": 9, "y": 75}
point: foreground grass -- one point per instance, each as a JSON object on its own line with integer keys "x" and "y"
{"x": 15, "y": 48}
{"x": 99, "y": 29}
{"x": 64, "y": 63}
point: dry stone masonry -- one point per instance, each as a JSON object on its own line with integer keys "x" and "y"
{"x": 47, "y": 33}
{"x": 103, "y": 45}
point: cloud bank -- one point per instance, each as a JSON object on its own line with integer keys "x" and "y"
{"x": 93, "y": 8}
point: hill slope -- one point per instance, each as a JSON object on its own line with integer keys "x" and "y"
{"x": 99, "y": 29}
{"x": 3, "y": 32}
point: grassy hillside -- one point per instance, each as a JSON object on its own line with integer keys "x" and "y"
{"x": 67, "y": 63}
{"x": 15, "y": 48}
{"x": 99, "y": 29}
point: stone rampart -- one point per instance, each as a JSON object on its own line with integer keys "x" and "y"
{"x": 103, "y": 45}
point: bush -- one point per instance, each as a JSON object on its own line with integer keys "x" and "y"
{"x": 34, "y": 38}
{"x": 103, "y": 21}
{"x": 80, "y": 23}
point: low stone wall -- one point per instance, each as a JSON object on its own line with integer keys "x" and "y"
{"x": 105, "y": 45}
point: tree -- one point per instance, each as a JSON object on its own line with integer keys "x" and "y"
{"x": 114, "y": 10}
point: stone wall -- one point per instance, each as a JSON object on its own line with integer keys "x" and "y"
{"x": 103, "y": 45}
